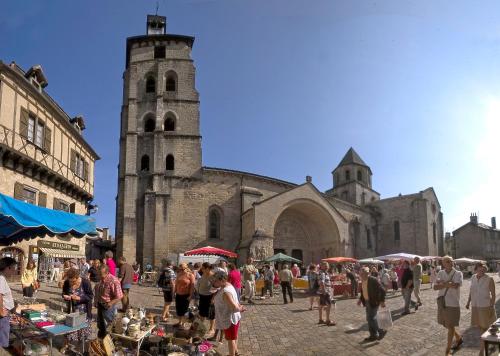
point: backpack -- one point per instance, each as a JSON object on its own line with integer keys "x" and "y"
{"x": 164, "y": 282}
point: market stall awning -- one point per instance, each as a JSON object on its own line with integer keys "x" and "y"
{"x": 211, "y": 251}
{"x": 340, "y": 260}
{"x": 281, "y": 257}
{"x": 466, "y": 260}
{"x": 20, "y": 220}
{"x": 398, "y": 256}
{"x": 50, "y": 252}
{"x": 371, "y": 261}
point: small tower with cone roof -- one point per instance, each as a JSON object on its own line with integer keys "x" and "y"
{"x": 352, "y": 180}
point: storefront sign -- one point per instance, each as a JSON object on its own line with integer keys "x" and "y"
{"x": 57, "y": 245}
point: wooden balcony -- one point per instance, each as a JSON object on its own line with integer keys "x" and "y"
{"x": 19, "y": 154}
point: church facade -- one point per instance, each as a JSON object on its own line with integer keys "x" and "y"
{"x": 168, "y": 202}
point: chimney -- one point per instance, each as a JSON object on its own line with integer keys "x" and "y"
{"x": 494, "y": 222}
{"x": 447, "y": 235}
{"x": 473, "y": 218}
{"x": 309, "y": 179}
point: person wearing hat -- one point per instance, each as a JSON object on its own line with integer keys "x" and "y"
{"x": 482, "y": 299}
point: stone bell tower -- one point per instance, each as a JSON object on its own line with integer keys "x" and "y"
{"x": 160, "y": 142}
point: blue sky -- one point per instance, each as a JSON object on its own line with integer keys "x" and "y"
{"x": 287, "y": 86}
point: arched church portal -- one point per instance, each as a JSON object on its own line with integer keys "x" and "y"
{"x": 305, "y": 228}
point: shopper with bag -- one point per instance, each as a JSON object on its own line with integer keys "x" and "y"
{"x": 482, "y": 298}
{"x": 372, "y": 296}
{"x": 449, "y": 281}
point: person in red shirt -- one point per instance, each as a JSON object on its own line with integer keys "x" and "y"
{"x": 108, "y": 292}
{"x": 234, "y": 277}
{"x": 110, "y": 263}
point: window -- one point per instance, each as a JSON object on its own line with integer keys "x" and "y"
{"x": 29, "y": 195}
{"x": 149, "y": 125}
{"x": 434, "y": 233}
{"x": 297, "y": 254}
{"x": 214, "y": 224}
{"x": 150, "y": 85}
{"x": 39, "y": 133}
{"x": 145, "y": 163}
{"x": 79, "y": 165}
{"x": 363, "y": 198}
{"x": 396, "y": 231}
{"x": 160, "y": 52}
{"x": 61, "y": 205}
{"x": 360, "y": 176}
{"x": 169, "y": 124}
{"x": 35, "y": 131}
{"x": 169, "y": 163}
{"x": 170, "y": 83}
{"x": 31, "y": 128}
{"x": 368, "y": 239}
{"x": 347, "y": 175}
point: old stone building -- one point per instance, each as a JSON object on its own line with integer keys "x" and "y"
{"x": 168, "y": 202}
{"x": 44, "y": 159}
{"x": 474, "y": 240}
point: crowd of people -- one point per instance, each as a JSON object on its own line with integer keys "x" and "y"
{"x": 218, "y": 290}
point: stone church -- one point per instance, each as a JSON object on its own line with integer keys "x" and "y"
{"x": 168, "y": 202}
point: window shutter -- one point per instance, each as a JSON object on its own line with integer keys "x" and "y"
{"x": 23, "y": 127}
{"x": 55, "y": 204}
{"x": 72, "y": 207}
{"x": 47, "y": 139}
{"x": 85, "y": 170}
{"x": 18, "y": 191}
{"x": 72, "y": 163}
{"x": 42, "y": 199}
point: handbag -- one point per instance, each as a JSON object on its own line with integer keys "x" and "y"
{"x": 36, "y": 285}
{"x": 384, "y": 319}
{"x": 441, "y": 299}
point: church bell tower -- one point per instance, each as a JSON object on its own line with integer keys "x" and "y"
{"x": 160, "y": 142}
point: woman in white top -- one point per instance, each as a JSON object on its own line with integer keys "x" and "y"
{"x": 448, "y": 283}
{"x": 482, "y": 298}
{"x": 7, "y": 269}
{"x": 227, "y": 310}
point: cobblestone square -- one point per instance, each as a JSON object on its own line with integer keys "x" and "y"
{"x": 271, "y": 328}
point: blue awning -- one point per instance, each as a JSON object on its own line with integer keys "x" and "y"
{"x": 20, "y": 220}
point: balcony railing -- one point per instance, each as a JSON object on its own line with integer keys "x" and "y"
{"x": 19, "y": 145}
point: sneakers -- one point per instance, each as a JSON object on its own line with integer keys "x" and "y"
{"x": 381, "y": 334}
{"x": 370, "y": 339}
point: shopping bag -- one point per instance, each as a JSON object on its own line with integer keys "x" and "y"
{"x": 384, "y": 318}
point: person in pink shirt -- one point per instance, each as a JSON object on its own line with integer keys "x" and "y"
{"x": 295, "y": 271}
{"x": 110, "y": 263}
{"x": 234, "y": 277}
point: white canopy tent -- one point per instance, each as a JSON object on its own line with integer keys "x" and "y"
{"x": 398, "y": 256}
{"x": 370, "y": 261}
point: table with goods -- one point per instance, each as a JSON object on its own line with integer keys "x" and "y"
{"x": 34, "y": 326}
{"x": 137, "y": 331}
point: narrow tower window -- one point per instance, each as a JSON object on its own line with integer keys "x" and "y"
{"x": 170, "y": 83}
{"x": 169, "y": 163}
{"x": 360, "y": 176}
{"x": 169, "y": 124}
{"x": 347, "y": 175}
{"x": 214, "y": 224}
{"x": 149, "y": 125}
{"x": 145, "y": 163}
{"x": 150, "y": 85}
{"x": 396, "y": 231}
